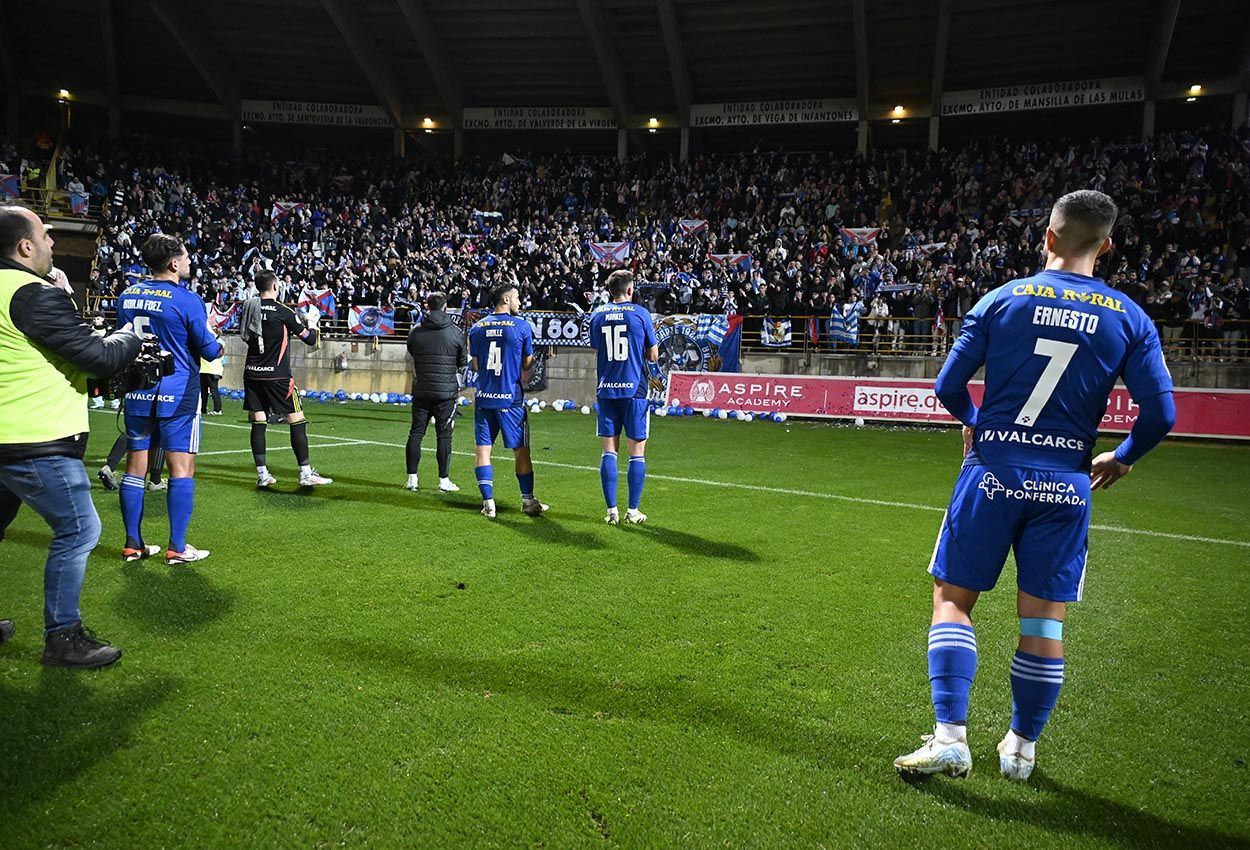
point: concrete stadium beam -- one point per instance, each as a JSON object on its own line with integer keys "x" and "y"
{"x": 210, "y": 64}
{"x": 1156, "y": 60}
{"x": 609, "y": 62}
{"x": 108, "y": 40}
{"x": 859, "y": 20}
{"x": 677, "y": 65}
{"x": 431, "y": 46}
{"x": 939, "y": 70}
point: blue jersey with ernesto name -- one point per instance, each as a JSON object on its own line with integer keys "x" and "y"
{"x": 622, "y": 334}
{"x": 1053, "y": 346}
{"x": 500, "y": 343}
{"x": 176, "y": 317}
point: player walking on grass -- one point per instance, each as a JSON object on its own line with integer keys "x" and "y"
{"x": 1053, "y": 346}
{"x": 502, "y": 347}
{"x": 623, "y": 336}
{"x": 267, "y": 326}
{"x": 163, "y": 308}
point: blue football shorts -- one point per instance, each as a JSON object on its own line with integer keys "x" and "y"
{"x": 1042, "y": 515}
{"x": 512, "y": 422}
{"x": 178, "y": 433}
{"x": 631, "y": 415}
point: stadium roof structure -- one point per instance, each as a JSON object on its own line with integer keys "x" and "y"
{"x": 647, "y": 61}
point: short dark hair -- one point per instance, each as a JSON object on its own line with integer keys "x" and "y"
{"x": 436, "y": 300}
{"x": 499, "y": 292}
{"x": 265, "y": 281}
{"x": 619, "y": 282}
{"x": 15, "y": 226}
{"x": 1087, "y": 217}
{"x": 159, "y": 251}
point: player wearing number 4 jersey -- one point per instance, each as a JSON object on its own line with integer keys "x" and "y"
{"x": 502, "y": 348}
{"x": 1053, "y": 346}
{"x": 623, "y": 337}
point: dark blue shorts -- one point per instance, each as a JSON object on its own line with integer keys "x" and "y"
{"x": 1042, "y": 515}
{"x": 512, "y": 422}
{"x": 178, "y": 433}
{"x": 631, "y": 415}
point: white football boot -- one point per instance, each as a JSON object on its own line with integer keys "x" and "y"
{"x": 445, "y": 485}
{"x": 1016, "y": 757}
{"x": 488, "y": 508}
{"x": 613, "y": 517}
{"x": 937, "y": 755}
{"x": 312, "y": 478}
{"x": 635, "y": 517}
{"x": 533, "y": 507}
{"x": 186, "y": 556}
{"x": 412, "y": 483}
{"x": 265, "y": 480}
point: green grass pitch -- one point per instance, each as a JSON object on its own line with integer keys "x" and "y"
{"x": 365, "y": 667}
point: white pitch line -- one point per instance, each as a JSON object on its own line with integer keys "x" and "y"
{"x": 249, "y": 451}
{"x": 783, "y": 491}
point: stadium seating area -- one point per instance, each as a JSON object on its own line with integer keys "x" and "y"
{"x": 953, "y": 225}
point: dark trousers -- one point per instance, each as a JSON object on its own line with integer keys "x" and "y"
{"x": 208, "y": 387}
{"x": 443, "y": 412}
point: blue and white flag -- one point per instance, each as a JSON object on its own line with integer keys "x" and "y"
{"x": 844, "y": 324}
{"x": 371, "y": 321}
{"x": 712, "y": 328}
{"x": 78, "y": 203}
{"x": 775, "y": 333}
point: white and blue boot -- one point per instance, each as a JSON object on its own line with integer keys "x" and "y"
{"x": 942, "y": 752}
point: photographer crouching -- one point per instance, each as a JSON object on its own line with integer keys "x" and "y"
{"x": 47, "y": 354}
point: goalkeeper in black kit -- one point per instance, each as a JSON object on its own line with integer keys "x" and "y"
{"x": 267, "y": 326}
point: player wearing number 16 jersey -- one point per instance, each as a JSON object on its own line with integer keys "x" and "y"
{"x": 502, "y": 347}
{"x": 623, "y": 335}
{"x": 1053, "y": 346}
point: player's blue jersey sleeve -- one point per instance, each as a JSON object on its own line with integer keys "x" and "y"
{"x": 1145, "y": 372}
{"x": 966, "y": 357}
{"x": 527, "y": 338}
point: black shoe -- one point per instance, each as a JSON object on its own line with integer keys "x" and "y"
{"x": 6, "y": 631}
{"x": 78, "y": 647}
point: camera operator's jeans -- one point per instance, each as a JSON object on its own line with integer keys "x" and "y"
{"x": 56, "y": 488}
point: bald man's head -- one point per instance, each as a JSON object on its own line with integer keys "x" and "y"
{"x": 1081, "y": 221}
{"x": 25, "y": 239}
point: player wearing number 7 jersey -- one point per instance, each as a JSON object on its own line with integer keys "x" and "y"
{"x": 502, "y": 347}
{"x": 623, "y": 335}
{"x": 1053, "y": 346}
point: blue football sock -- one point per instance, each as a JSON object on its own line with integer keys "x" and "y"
{"x": 1035, "y": 684}
{"x": 952, "y": 667}
{"x": 637, "y": 476}
{"x": 526, "y": 480}
{"x": 179, "y": 502}
{"x": 607, "y": 477}
{"x": 485, "y": 481}
{"x": 132, "y": 491}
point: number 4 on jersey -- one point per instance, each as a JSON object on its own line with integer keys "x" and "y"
{"x": 1060, "y": 354}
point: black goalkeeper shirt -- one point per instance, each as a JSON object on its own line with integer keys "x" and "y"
{"x": 278, "y": 324}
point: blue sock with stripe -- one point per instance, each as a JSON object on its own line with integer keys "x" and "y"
{"x": 179, "y": 502}
{"x": 952, "y": 667}
{"x": 485, "y": 481}
{"x": 526, "y": 480}
{"x": 608, "y": 473}
{"x": 1035, "y": 684}
{"x": 131, "y": 494}
{"x": 637, "y": 477}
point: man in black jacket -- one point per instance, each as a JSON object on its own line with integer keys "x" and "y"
{"x": 47, "y": 352}
{"x": 438, "y": 352}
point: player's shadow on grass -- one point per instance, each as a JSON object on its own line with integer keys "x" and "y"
{"x": 693, "y": 544}
{"x": 61, "y": 727}
{"x": 1060, "y": 808}
{"x": 170, "y": 600}
{"x": 547, "y": 529}
{"x": 561, "y": 690}
{"x": 38, "y": 539}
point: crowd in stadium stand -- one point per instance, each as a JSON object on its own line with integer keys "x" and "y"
{"x": 954, "y": 224}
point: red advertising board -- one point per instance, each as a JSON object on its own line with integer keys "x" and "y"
{"x": 1199, "y": 412}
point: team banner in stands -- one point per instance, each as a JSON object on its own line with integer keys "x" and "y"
{"x": 552, "y": 328}
{"x": 9, "y": 186}
{"x": 539, "y": 118}
{"x": 695, "y": 344}
{"x": 1199, "y": 412}
{"x": 610, "y": 253}
{"x": 726, "y": 261}
{"x": 692, "y": 226}
{"x": 222, "y": 321}
{"x": 371, "y": 321}
{"x": 859, "y": 235}
{"x": 306, "y": 112}
{"x": 1061, "y": 95}
{"x": 78, "y": 203}
{"x": 765, "y": 112}
{"x": 281, "y": 209}
{"x": 775, "y": 333}
{"x": 322, "y": 299}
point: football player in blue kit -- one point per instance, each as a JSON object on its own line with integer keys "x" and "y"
{"x": 1053, "y": 346}
{"x": 623, "y": 336}
{"x": 502, "y": 347}
{"x": 162, "y": 307}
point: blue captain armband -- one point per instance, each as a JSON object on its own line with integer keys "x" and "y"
{"x": 1041, "y": 627}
